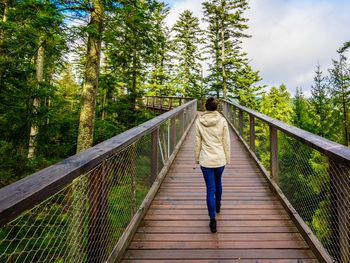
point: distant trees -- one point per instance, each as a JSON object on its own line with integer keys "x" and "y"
{"x": 339, "y": 76}
{"x": 320, "y": 104}
{"x": 229, "y": 69}
{"x": 187, "y": 40}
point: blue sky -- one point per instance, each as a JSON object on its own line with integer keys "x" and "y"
{"x": 289, "y": 36}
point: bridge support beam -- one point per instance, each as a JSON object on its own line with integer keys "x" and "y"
{"x": 234, "y": 116}
{"x": 240, "y": 116}
{"x": 98, "y": 215}
{"x": 154, "y": 156}
{"x": 172, "y": 134}
{"x": 273, "y": 153}
{"x": 340, "y": 209}
{"x": 252, "y": 132}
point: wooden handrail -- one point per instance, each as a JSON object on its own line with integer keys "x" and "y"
{"x": 29, "y": 191}
{"x": 332, "y": 149}
{"x": 170, "y": 97}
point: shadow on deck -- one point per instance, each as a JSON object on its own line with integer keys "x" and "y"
{"x": 252, "y": 226}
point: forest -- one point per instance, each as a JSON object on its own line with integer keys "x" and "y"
{"x": 71, "y": 73}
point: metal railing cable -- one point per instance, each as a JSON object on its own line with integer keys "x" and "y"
{"x": 78, "y": 209}
{"x": 313, "y": 173}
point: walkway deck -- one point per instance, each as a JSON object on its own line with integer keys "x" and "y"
{"x": 252, "y": 225}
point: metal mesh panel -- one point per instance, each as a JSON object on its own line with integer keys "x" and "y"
{"x": 262, "y": 143}
{"x": 246, "y": 128}
{"x": 84, "y": 221}
{"x": 319, "y": 189}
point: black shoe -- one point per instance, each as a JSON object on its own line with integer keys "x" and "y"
{"x": 212, "y": 225}
{"x": 218, "y": 206}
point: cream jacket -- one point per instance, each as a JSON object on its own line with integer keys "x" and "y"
{"x": 212, "y": 147}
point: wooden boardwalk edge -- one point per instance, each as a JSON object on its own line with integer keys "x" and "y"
{"x": 316, "y": 246}
{"x": 253, "y": 226}
{"x": 129, "y": 232}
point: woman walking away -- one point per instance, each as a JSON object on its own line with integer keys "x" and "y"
{"x": 212, "y": 152}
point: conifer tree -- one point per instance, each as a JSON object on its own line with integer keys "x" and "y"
{"x": 225, "y": 33}
{"x": 277, "y": 104}
{"x": 345, "y": 47}
{"x": 160, "y": 76}
{"x": 320, "y": 103}
{"x": 340, "y": 91}
{"x": 131, "y": 40}
{"x": 187, "y": 40}
{"x": 301, "y": 111}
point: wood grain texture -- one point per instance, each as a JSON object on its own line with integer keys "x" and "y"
{"x": 252, "y": 226}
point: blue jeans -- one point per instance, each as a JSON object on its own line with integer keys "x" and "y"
{"x": 212, "y": 177}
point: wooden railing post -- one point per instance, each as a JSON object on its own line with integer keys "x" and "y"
{"x": 172, "y": 134}
{"x": 161, "y": 103}
{"x": 234, "y": 116}
{"x": 153, "y": 101}
{"x": 252, "y": 132}
{"x": 240, "y": 129}
{"x": 171, "y": 103}
{"x": 273, "y": 153}
{"x": 98, "y": 214}
{"x": 154, "y": 155}
{"x": 182, "y": 122}
{"x": 340, "y": 209}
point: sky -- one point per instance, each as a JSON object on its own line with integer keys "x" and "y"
{"x": 289, "y": 37}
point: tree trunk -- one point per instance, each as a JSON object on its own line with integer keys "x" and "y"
{"x": 34, "y": 129}
{"x": 104, "y": 105}
{"x": 80, "y": 187}
{"x": 87, "y": 114}
{"x": 6, "y": 4}
{"x": 134, "y": 79}
{"x": 224, "y": 78}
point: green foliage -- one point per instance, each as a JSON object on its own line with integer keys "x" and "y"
{"x": 229, "y": 69}
{"x": 340, "y": 92}
{"x": 187, "y": 40}
{"x": 277, "y": 104}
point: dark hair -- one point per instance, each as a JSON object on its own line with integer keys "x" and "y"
{"x": 211, "y": 104}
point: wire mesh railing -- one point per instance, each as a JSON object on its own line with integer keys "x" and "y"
{"x": 312, "y": 173}
{"x": 78, "y": 209}
{"x": 165, "y": 102}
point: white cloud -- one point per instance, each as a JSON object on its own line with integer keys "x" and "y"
{"x": 179, "y": 6}
{"x": 289, "y": 37}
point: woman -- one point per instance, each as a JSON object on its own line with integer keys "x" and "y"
{"x": 212, "y": 152}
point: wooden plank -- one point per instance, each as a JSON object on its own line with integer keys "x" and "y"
{"x": 296, "y": 260}
{"x": 176, "y": 245}
{"x": 205, "y": 217}
{"x": 204, "y": 206}
{"x": 218, "y": 254}
{"x": 199, "y": 223}
{"x": 218, "y": 236}
{"x": 223, "y": 229}
{"x": 223, "y": 212}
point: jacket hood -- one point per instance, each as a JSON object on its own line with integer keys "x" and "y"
{"x": 210, "y": 118}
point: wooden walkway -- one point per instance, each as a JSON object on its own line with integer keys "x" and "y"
{"x": 252, "y": 225}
